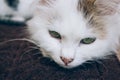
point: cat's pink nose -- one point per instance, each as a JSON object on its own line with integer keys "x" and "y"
{"x": 66, "y": 61}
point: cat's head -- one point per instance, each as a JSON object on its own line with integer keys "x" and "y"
{"x": 71, "y": 31}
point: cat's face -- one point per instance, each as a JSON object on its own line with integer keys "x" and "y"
{"x": 69, "y": 32}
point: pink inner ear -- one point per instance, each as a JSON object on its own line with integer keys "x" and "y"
{"x": 45, "y": 2}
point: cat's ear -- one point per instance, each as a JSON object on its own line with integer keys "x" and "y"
{"x": 44, "y": 5}
{"x": 107, "y": 7}
{"x": 45, "y": 2}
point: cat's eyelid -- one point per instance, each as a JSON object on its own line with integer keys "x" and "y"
{"x": 55, "y": 34}
{"x": 88, "y": 40}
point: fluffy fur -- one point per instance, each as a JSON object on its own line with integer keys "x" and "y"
{"x": 75, "y": 20}
{"x": 17, "y": 11}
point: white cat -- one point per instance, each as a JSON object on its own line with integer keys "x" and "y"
{"x": 72, "y": 32}
{"x": 16, "y": 10}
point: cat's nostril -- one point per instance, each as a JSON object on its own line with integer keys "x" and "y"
{"x": 66, "y": 61}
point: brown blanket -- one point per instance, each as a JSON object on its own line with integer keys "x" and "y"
{"x": 19, "y": 60}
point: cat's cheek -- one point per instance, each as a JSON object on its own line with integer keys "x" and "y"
{"x": 44, "y": 52}
{"x": 50, "y": 47}
{"x": 51, "y": 51}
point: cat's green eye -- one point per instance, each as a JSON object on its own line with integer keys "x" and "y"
{"x": 87, "y": 40}
{"x": 55, "y": 34}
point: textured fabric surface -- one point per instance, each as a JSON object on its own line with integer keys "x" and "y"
{"x": 20, "y": 60}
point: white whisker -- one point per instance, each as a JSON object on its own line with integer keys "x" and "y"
{"x": 99, "y": 62}
{"x": 34, "y": 47}
{"x": 21, "y": 39}
{"x": 26, "y": 52}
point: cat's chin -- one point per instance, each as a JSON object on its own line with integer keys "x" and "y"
{"x": 74, "y": 64}
{"x": 70, "y": 66}
{"x": 59, "y": 62}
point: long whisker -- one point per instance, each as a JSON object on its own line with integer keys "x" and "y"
{"x": 34, "y": 47}
{"x": 105, "y": 68}
{"x": 21, "y": 39}
{"x": 27, "y": 52}
{"x": 36, "y": 53}
{"x": 39, "y": 58}
{"x": 99, "y": 62}
{"x": 89, "y": 62}
{"x": 31, "y": 48}
{"x": 84, "y": 64}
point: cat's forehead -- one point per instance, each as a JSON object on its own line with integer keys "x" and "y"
{"x": 74, "y": 15}
{"x": 72, "y": 26}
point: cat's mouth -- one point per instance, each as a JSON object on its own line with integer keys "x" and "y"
{"x": 67, "y": 64}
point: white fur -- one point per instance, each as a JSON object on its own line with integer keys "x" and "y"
{"x": 4, "y": 9}
{"x": 25, "y": 10}
{"x": 72, "y": 26}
